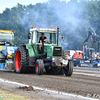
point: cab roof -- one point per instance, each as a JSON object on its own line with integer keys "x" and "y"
{"x": 6, "y": 31}
{"x": 44, "y": 30}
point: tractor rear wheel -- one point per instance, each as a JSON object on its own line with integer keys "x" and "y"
{"x": 69, "y": 69}
{"x": 20, "y": 60}
{"x": 39, "y": 66}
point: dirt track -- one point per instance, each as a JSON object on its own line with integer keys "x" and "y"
{"x": 84, "y": 81}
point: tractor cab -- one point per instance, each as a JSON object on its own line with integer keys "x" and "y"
{"x": 6, "y": 40}
{"x": 35, "y": 34}
{"x": 51, "y": 46}
{"x": 6, "y": 37}
{"x": 7, "y": 49}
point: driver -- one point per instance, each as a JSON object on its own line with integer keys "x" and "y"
{"x": 42, "y": 37}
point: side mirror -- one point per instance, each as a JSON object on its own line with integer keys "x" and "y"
{"x": 63, "y": 37}
{"x": 29, "y": 35}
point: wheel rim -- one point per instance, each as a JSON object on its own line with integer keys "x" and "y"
{"x": 17, "y": 60}
{"x": 37, "y": 67}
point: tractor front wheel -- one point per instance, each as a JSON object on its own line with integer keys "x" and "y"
{"x": 69, "y": 69}
{"x": 39, "y": 67}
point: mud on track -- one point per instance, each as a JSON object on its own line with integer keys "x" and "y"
{"x": 77, "y": 83}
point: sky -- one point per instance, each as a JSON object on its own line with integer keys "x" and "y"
{"x": 11, "y": 3}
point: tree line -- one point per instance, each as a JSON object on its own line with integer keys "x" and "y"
{"x": 73, "y": 19}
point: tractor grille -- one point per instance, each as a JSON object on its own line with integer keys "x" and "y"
{"x": 57, "y": 51}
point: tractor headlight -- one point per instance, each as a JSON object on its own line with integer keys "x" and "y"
{"x": 53, "y": 59}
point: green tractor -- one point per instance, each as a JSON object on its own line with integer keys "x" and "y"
{"x": 43, "y": 56}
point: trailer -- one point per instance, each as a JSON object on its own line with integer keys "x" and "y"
{"x": 7, "y": 50}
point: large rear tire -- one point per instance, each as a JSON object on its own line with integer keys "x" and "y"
{"x": 69, "y": 69}
{"x": 39, "y": 66}
{"x": 20, "y": 60}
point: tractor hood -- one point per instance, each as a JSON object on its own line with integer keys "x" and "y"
{"x": 53, "y": 50}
